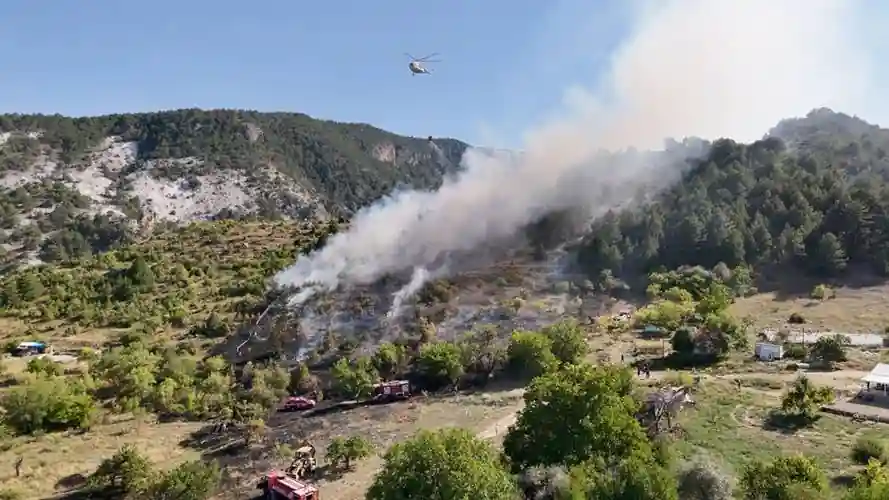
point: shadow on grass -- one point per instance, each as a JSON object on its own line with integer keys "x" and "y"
{"x": 843, "y": 480}
{"x": 212, "y": 443}
{"x": 74, "y": 487}
{"x": 329, "y": 473}
{"x": 71, "y": 482}
{"x": 677, "y": 361}
{"x": 790, "y": 284}
{"x": 502, "y": 383}
{"x": 778, "y": 421}
{"x": 820, "y": 367}
{"x": 84, "y": 493}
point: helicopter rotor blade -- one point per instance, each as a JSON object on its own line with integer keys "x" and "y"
{"x": 426, "y": 58}
{"x": 412, "y": 57}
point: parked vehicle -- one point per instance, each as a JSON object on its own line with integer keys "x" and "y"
{"x": 289, "y": 484}
{"x": 392, "y": 391}
{"x": 297, "y": 403}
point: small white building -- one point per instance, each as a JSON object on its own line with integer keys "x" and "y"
{"x": 766, "y": 351}
{"x": 877, "y": 381}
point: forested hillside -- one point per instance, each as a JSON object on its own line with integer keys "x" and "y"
{"x": 348, "y": 164}
{"x": 70, "y": 187}
{"x": 816, "y": 200}
{"x": 811, "y": 194}
{"x": 130, "y": 404}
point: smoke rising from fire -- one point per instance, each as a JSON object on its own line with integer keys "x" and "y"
{"x": 686, "y": 68}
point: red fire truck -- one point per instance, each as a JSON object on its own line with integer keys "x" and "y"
{"x": 278, "y": 485}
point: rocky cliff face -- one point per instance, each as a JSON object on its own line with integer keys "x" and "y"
{"x": 133, "y": 172}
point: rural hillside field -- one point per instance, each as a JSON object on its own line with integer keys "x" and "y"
{"x": 612, "y": 358}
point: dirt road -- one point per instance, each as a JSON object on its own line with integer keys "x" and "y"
{"x": 496, "y": 430}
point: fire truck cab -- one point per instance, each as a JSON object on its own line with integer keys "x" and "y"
{"x": 280, "y": 486}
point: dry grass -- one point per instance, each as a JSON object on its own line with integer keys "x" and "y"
{"x": 11, "y": 328}
{"x": 383, "y": 425}
{"x": 51, "y": 460}
{"x": 727, "y": 426}
{"x": 238, "y": 249}
{"x": 853, "y": 310}
{"x": 55, "y": 462}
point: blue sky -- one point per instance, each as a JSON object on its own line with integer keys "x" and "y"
{"x": 336, "y": 59}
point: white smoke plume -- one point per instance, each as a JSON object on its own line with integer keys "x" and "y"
{"x": 418, "y": 279}
{"x": 706, "y": 68}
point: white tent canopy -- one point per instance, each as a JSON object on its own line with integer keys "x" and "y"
{"x": 879, "y": 375}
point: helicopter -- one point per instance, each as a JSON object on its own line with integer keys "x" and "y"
{"x": 416, "y": 64}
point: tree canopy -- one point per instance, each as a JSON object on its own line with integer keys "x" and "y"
{"x": 805, "y": 197}
{"x": 449, "y": 464}
{"x": 576, "y": 414}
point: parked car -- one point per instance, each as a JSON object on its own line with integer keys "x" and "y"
{"x": 297, "y": 403}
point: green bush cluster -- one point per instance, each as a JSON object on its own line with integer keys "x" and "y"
{"x": 130, "y": 475}
{"x": 165, "y": 282}
{"x": 137, "y": 377}
{"x": 474, "y": 358}
{"x": 63, "y": 233}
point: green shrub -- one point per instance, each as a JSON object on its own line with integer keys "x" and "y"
{"x": 48, "y": 403}
{"x": 867, "y": 448}
{"x": 795, "y": 351}
{"x": 44, "y": 366}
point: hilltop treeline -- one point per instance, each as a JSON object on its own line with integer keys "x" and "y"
{"x": 815, "y": 200}
{"x": 339, "y": 161}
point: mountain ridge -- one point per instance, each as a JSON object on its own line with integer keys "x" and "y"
{"x": 71, "y": 186}
{"x": 143, "y": 169}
